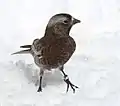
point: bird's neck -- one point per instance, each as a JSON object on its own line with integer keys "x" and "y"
{"x": 49, "y": 32}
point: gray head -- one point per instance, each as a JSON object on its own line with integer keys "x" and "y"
{"x": 61, "y": 23}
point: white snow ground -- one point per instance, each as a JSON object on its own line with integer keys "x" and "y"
{"x": 95, "y": 66}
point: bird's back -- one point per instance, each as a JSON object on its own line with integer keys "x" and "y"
{"x": 56, "y": 52}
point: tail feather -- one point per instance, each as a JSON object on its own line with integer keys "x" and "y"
{"x": 25, "y": 46}
{"x": 22, "y": 52}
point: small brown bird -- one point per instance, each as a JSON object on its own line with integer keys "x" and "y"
{"x": 55, "y": 48}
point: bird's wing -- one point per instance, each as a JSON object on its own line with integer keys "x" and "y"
{"x": 37, "y": 46}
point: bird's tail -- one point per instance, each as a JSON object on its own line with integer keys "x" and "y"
{"x": 25, "y": 46}
{"x": 27, "y": 51}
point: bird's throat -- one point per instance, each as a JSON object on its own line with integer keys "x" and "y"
{"x": 57, "y": 32}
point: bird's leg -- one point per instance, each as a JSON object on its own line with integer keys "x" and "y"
{"x": 40, "y": 83}
{"x": 68, "y": 82}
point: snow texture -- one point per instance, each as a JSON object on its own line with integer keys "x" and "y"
{"x": 94, "y": 67}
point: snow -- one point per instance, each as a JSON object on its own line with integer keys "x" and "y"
{"x": 94, "y": 67}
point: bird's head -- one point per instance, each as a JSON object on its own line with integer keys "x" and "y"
{"x": 60, "y": 24}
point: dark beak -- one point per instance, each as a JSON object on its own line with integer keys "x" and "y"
{"x": 75, "y": 21}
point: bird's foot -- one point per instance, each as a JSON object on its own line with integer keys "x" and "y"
{"x": 39, "y": 89}
{"x": 66, "y": 79}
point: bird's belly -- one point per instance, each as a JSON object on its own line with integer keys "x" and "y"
{"x": 49, "y": 62}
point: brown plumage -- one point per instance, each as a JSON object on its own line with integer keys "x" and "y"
{"x": 55, "y": 48}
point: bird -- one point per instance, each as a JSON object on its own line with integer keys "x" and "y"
{"x": 55, "y": 48}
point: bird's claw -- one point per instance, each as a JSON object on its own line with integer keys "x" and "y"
{"x": 66, "y": 79}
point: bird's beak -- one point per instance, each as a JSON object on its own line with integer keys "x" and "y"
{"x": 75, "y": 21}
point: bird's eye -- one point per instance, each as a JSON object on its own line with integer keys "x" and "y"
{"x": 66, "y": 22}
